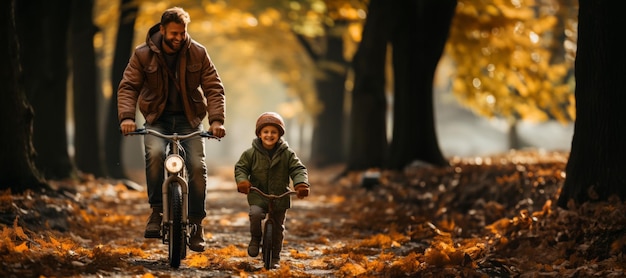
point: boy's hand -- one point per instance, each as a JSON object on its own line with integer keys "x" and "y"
{"x": 302, "y": 189}
{"x": 244, "y": 187}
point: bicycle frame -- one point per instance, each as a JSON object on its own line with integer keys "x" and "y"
{"x": 175, "y": 172}
{"x": 175, "y": 176}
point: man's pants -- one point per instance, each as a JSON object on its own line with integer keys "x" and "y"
{"x": 194, "y": 154}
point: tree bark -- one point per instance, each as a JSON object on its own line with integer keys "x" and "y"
{"x": 17, "y": 167}
{"x": 328, "y": 132}
{"x": 86, "y": 138}
{"x": 368, "y": 129}
{"x": 42, "y": 27}
{"x": 123, "y": 48}
{"x": 595, "y": 170}
{"x": 418, "y": 39}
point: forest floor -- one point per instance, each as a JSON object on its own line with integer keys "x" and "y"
{"x": 482, "y": 217}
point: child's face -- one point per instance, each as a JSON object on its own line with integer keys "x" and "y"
{"x": 269, "y": 136}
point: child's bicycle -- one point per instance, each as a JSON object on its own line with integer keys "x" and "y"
{"x": 267, "y": 243}
{"x": 175, "y": 226}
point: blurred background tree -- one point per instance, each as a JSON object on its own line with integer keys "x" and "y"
{"x": 127, "y": 10}
{"x": 43, "y": 28}
{"x": 513, "y": 60}
{"x": 394, "y": 74}
{"x": 18, "y": 171}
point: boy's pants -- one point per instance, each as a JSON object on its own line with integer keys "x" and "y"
{"x": 257, "y": 214}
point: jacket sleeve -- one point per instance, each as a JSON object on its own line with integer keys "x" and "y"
{"x": 213, "y": 91}
{"x": 129, "y": 88}
{"x": 242, "y": 167}
{"x": 297, "y": 171}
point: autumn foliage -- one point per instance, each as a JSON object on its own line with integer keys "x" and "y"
{"x": 510, "y": 60}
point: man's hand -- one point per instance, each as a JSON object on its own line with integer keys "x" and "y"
{"x": 217, "y": 129}
{"x": 127, "y": 126}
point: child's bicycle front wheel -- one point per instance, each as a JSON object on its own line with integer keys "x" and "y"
{"x": 268, "y": 245}
{"x": 176, "y": 235}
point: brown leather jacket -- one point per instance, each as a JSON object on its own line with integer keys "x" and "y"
{"x": 145, "y": 82}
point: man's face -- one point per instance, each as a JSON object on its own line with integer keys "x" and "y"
{"x": 174, "y": 34}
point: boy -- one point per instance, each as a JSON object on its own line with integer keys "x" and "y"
{"x": 268, "y": 165}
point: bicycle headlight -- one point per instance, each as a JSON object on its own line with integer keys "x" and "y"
{"x": 174, "y": 163}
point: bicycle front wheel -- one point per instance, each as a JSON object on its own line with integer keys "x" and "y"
{"x": 177, "y": 237}
{"x": 268, "y": 245}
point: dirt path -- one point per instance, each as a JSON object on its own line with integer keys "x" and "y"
{"x": 310, "y": 225}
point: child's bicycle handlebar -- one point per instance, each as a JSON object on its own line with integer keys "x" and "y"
{"x": 272, "y": 196}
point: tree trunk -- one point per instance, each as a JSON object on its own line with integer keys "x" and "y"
{"x": 43, "y": 27}
{"x": 17, "y": 167}
{"x": 123, "y": 48}
{"x": 328, "y": 143}
{"x": 368, "y": 132}
{"x": 86, "y": 138}
{"x": 596, "y": 165}
{"x": 419, "y": 36}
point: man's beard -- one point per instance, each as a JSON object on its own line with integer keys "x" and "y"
{"x": 171, "y": 45}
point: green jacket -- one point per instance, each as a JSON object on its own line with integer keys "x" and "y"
{"x": 271, "y": 175}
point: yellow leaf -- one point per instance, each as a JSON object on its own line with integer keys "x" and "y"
{"x": 21, "y": 248}
{"x": 352, "y": 270}
{"x": 436, "y": 257}
{"x": 54, "y": 241}
{"x": 198, "y": 261}
{"x": 19, "y": 232}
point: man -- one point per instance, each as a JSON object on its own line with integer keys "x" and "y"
{"x": 173, "y": 81}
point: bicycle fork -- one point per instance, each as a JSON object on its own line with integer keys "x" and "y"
{"x": 166, "y": 205}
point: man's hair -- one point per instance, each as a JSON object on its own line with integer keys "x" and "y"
{"x": 175, "y": 14}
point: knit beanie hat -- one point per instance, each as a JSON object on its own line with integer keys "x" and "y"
{"x": 270, "y": 118}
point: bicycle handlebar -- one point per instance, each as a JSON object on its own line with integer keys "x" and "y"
{"x": 272, "y": 196}
{"x": 175, "y": 136}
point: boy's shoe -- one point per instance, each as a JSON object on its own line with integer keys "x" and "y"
{"x": 253, "y": 247}
{"x": 153, "y": 228}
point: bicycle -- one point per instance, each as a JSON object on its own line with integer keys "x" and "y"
{"x": 267, "y": 241}
{"x": 175, "y": 226}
